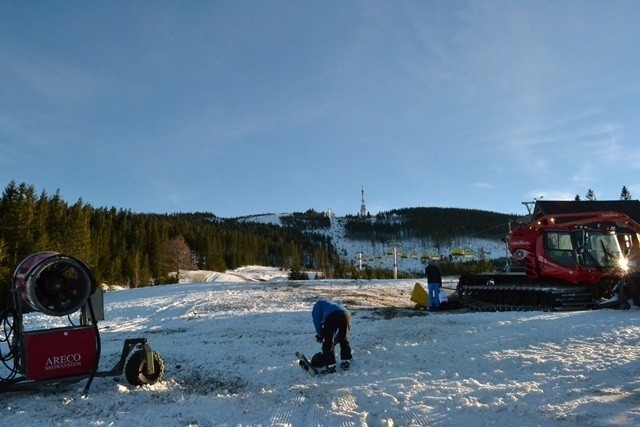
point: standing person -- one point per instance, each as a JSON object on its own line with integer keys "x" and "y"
{"x": 434, "y": 283}
{"x": 332, "y": 323}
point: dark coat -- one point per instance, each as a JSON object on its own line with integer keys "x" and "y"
{"x": 433, "y": 274}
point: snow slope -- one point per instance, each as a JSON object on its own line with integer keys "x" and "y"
{"x": 228, "y": 350}
{"x": 408, "y": 251}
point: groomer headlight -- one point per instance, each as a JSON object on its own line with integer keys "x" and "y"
{"x": 623, "y": 263}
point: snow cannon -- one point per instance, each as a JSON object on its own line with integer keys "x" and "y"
{"x": 52, "y": 284}
{"x": 46, "y": 357}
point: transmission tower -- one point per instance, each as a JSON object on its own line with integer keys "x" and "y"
{"x": 363, "y": 207}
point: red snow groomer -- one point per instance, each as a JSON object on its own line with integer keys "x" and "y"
{"x": 37, "y": 357}
{"x": 570, "y": 261}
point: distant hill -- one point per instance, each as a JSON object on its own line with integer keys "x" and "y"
{"x": 431, "y": 223}
{"x": 408, "y": 236}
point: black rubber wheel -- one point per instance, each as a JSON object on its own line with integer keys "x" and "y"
{"x": 136, "y": 369}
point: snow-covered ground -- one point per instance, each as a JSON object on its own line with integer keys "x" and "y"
{"x": 228, "y": 348}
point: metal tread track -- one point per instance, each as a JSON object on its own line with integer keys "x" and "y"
{"x": 545, "y": 297}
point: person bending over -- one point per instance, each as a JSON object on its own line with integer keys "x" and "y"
{"x": 332, "y": 323}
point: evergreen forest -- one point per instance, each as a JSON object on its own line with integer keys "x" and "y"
{"x": 135, "y": 249}
{"x": 430, "y": 222}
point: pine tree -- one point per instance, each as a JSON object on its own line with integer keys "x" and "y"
{"x": 17, "y": 209}
{"x": 625, "y": 194}
{"x": 577, "y": 198}
{"x": 591, "y": 196}
{"x": 77, "y": 231}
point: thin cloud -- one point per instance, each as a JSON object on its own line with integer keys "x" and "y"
{"x": 55, "y": 80}
{"x": 482, "y": 186}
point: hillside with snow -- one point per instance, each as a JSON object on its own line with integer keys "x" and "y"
{"x": 410, "y": 254}
{"x": 228, "y": 350}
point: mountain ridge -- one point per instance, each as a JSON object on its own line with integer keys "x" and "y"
{"x": 406, "y": 238}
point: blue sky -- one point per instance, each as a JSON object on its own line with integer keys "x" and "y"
{"x": 246, "y": 107}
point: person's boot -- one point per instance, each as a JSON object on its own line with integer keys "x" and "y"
{"x": 345, "y": 351}
{"x": 330, "y": 361}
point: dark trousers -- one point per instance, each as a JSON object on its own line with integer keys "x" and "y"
{"x": 336, "y": 331}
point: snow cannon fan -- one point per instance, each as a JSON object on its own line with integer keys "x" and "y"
{"x": 52, "y": 283}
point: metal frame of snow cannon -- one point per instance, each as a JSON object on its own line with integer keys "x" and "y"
{"x": 53, "y": 358}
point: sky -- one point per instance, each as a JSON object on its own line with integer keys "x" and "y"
{"x": 248, "y": 107}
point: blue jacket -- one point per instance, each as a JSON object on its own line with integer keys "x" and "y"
{"x": 321, "y": 310}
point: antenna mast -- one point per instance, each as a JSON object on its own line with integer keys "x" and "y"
{"x": 363, "y": 207}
